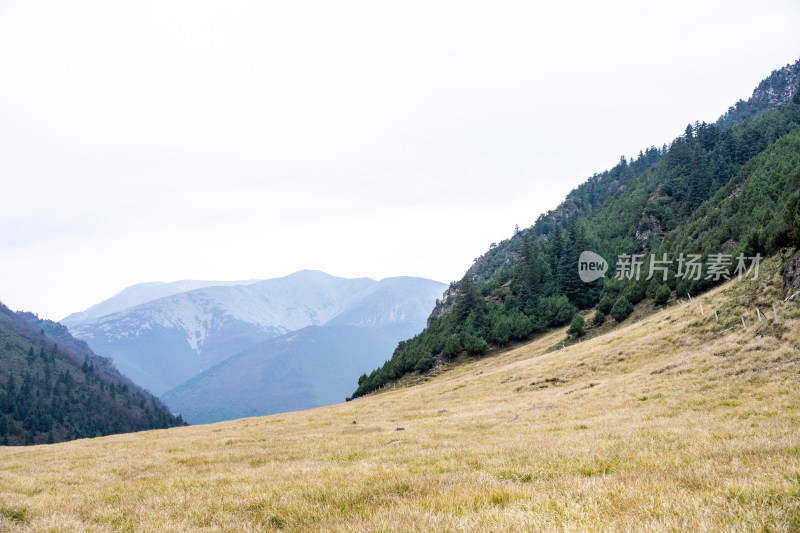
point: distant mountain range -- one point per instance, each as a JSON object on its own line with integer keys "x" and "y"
{"x": 225, "y": 350}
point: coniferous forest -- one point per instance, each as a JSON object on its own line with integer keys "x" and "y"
{"x": 53, "y": 388}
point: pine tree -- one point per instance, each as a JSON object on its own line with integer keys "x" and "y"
{"x": 529, "y": 270}
{"x": 468, "y": 299}
{"x": 568, "y": 280}
{"x": 556, "y": 247}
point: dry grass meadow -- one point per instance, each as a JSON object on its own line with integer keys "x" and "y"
{"x": 671, "y": 423}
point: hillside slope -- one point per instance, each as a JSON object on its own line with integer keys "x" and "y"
{"x": 53, "y": 388}
{"x": 676, "y": 422}
{"x": 715, "y": 195}
{"x": 778, "y": 88}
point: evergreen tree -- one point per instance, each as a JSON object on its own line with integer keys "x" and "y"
{"x": 662, "y": 295}
{"x": 569, "y": 281}
{"x": 576, "y": 326}
{"x": 469, "y": 299}
{"x": 622, "y": 309}
{"x": 530, "y": 273}
{"x": 556, "y": 248}
{"x": 598, "y": 319}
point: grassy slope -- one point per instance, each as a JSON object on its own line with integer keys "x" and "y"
{"x": 670, "y": 423}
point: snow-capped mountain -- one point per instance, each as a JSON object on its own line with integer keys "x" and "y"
{"x": 139, "y": 294}
{"x": 167, "y": 341}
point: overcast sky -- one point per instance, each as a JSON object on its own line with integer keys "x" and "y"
{"x": 144, "y": 141}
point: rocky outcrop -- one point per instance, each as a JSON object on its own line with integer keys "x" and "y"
{"x": 779, "y": 88}
{"x": 444, "y": 304}
{"x": 791, "y": 275}
{"x": 653, "y": 226}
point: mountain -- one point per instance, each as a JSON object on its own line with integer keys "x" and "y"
{"x": 718, "y": 192}
{"x": 139, "y": 294}
{"x": 165, "y": 342}
{"x": 316, "y": 365}
{"x": 54, "y": 388}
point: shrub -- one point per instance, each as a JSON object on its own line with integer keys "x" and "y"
{"x": 662, "y": 295}
{"x": 424, "y": 364}
{"x": 633, "y": 293}
{"x": 599, "y": 318}
{"x": 475, "y": 345}
{"x": 562, "y": 311}
{"x": 605, "y": 305}
{"x": 680, "y": 290}
{"x": 622, "y": 308}
{"x": 652, "y": 288}
{"x": 576, "y": 327}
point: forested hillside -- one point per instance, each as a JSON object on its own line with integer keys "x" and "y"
{"x": 725, "y": 193}
{"x": 53, "y": 388}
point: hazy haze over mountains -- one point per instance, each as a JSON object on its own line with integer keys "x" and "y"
{"x": 318, "y": 365}
{"x": 162, "y": 343}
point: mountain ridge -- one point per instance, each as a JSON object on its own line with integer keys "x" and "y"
{"x": 138, "y": 294}
{"x": 303, "y": 369}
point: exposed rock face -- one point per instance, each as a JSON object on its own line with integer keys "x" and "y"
{"x": 654, "y": 226}
{"x": 779, "y": 87}
{"x": 444, "y": 303}
{"x": 791, "y": 276}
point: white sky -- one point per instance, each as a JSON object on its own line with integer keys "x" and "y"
{"x": 163, "y": 140}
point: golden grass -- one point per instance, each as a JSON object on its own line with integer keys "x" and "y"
{"x": 672, "y": 423}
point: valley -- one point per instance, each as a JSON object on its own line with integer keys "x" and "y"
{"x": 677, "y": 421}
